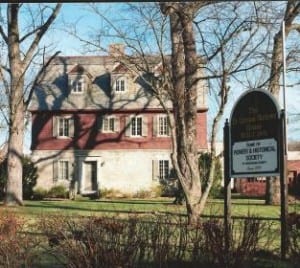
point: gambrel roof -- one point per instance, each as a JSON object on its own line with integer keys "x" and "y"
{"x": 54, "y": 94}
{"x": 80, "y": 70}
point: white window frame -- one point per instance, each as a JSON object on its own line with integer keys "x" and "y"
{"x": 63, "y": 126}
{"x": 63, "y": 170}
{"x": 136, "y": 126}
{"x": 163, "y": 169}
{"x": 78, "y": 86}
{"x": 163, "y": 128}
{"x": 120, "y": 85}
{"x": 108, "y": 124}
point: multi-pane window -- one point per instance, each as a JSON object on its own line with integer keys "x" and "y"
{"x": 78, "y": 86}
{"x": 163, "y": 127}
{"x": 63, "y": 170}
{"x": 120, "y": 85}
{"x": 136, "y": 126}
{"x": 163, "y": 169}
{"x": 63, "y": 127}
{"x": 108, "y": 124}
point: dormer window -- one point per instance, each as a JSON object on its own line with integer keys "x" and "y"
{"x": 120, "y": 84}
{"x": 79, "y": 79}
{"x": 78, "y": 86}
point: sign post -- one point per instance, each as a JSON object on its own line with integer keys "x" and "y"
{"x": 227, "y": 188}
{"x": 255, "y": 146}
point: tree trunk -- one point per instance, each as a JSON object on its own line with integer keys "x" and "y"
{"x": 184, "y": 81}
{"x": 292, "y": 11}
{"x": 14, "y": 195}
{"x": 272, "y": 191}
{"x": 19, "y": 62}
{"x": 16, "y": 112}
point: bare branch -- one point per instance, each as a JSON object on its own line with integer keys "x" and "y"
{"x": 295, "y": 27}
{"x": 3, "y": 35}
{"x": 39, "y": 77}
{"x": 5, "y": 82}
{"x": 39, "y": 34}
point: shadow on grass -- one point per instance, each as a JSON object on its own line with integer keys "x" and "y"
{"x": 133, "y": 207}
{"x": 131, "y": 202}
{"x": 242, "y": 202}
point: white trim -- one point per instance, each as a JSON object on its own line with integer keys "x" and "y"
{"x": 136, "y": 125}
{"x": 108, "y": 118}
{"x": 120, "y": 79}
{"x": 69, "y": 119}
{"x": 164, "y": 117}
{"x": 81, "y": 172}
{"x": 74, "y": 85}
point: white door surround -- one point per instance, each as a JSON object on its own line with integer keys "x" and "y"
{"x": 85, "y": 170}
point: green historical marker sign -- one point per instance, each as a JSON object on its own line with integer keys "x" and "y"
{"x": 254, "y": 135}
{"x": 254, "y": 145}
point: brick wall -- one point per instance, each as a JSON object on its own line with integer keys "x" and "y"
{"x": 250, "y": 187}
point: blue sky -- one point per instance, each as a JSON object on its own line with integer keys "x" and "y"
{"x": 86, "y": 21}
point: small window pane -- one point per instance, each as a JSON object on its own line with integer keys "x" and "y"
{"x": 64, "y": 170}
{"x": 163, "y": 169}
{"x": 136, "y": 126}
{"x": 108, "y": 124}
{"x": 78, "y": 86}
{"x": 63, "y": 127}
{"x": 120, "y": 85}
{"x": 163, "y": 127}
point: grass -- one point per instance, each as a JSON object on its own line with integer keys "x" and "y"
{"x": 121, "y": 207}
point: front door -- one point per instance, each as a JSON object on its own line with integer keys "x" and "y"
{"x": 90, "y": 174}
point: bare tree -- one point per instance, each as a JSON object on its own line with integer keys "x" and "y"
{"x": 226, "y": 43}
{"x": 291, "y": 13}
{"x": 22, "y": 48}
{"x": 232, "y": 52}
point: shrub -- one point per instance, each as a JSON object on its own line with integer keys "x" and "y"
{"x": 113, "y": 193}
{"x": 244, "y": 239}
{"x": 161, "y": 241}
{"x": 30, "y": 177}
{"x": 294, "y": 243}
{"x": 204, "y": 167}
{"x": 93, "y": 242}
{"x": 17, "y": 248}
{"x": 143, "y": 194}
{"x": 157, "y": 191}
{"x": 39, "y": 193}
{"x": 58, "y": 191}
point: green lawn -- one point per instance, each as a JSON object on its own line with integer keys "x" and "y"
{"x": 120, "y": 207}
{"x": 123, "y": 207}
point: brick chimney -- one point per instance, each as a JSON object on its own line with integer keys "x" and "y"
{"x": 116, "y": 50}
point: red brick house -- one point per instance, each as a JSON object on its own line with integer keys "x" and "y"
{"x": 95, "y": 123}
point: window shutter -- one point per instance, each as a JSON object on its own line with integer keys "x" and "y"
{"x": 55, "y": 170}
{"x": 83, "y": 85}
{"x": 155, "y": 171}
{"x": 55, "y": 126}
{"x": 71, "y": 122}
{"x": 128, "y": 126}
{"x": 71, "y": 170}
{"x": 144, "y": 126}
{"x": 100, "y": 122}
{"x": 70, "y": 83}
{"x": 117, "y": 123}
{"x": 155, "y": 125}
{"x": 113, "y": 82}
